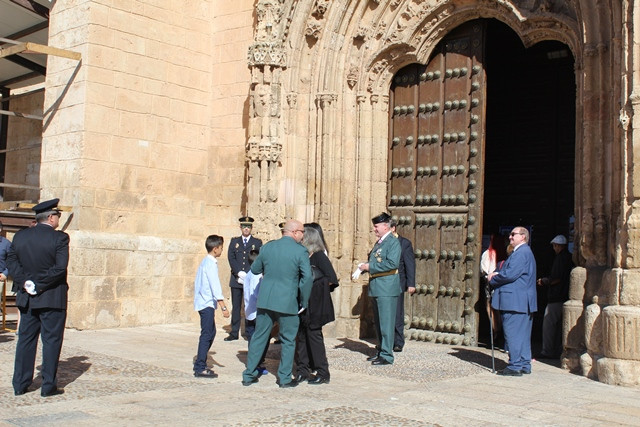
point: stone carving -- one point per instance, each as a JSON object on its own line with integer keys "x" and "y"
{"x": 314, "y": 28}
{"x": 292, "y": 100}
{"x": 267, "y": 53}
{"x": 382, "y": 28}
{"x": 624, "y": 119}
{"x": 361, "y": 33}
{"x": 320, "y": 8}
{"x": 352, "y": 77}
{"x": 269, "y": 15}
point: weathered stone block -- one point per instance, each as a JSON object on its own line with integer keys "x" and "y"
{"x": 630, "y": 287}
{"x": 81, "y": 315}
{"x": 108, "y": 314}
{"x": 609, "y": 291}
{"x": 619, "y": 372}
{"x": 101, "y": 288}
{"x": 593, "y": 328}
{"x": 578, "y": 280}
{"x": 621, "y": 332}
{"x": 573, "y": 325}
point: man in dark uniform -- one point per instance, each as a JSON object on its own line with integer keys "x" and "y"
{"x": 407, "y": 273}
{"x": 37, "y": 261}
{"x": 238, "y": 255}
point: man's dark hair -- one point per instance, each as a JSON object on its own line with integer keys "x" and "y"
{"x": 253, "y": 254}
{"x": 213, "y": 241}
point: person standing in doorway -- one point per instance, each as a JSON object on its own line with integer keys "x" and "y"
{"x": 557, "y": 285}
{"x": 238, "y": 255}
{"x": 407, "y": 273}
{"x": 515, "y": 297}
{"x": 37, "y": 261}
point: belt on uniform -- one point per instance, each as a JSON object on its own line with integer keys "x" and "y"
{"x": 384, "y": 273}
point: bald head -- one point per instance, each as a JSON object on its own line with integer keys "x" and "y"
{"x": 293, "y": 228}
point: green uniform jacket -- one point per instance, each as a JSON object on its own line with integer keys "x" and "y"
{"x": 385, "y": 257}
{"x": 287, "y": 281}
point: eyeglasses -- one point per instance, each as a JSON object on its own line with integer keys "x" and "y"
{"x": 513, "y": 234}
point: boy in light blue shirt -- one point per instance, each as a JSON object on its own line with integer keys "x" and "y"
{"x": 207, "y": 297}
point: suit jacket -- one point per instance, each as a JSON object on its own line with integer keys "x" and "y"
{"x": 385, "y": 257}
{"x": 515, "y": 283}
{"x": 40, "y": 254}
{"x": 238, "y": 257}
{"x": 321, "y": 310}
{"x": 407, "y": 268}
{"x": 286, "y": 284}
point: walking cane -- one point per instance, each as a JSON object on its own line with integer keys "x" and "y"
{"x": 493, "y": 359}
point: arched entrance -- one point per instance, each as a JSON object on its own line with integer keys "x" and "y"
{"x": 456, "y": 126}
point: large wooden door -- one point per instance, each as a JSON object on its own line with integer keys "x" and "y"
{"x": 435, "y": 188}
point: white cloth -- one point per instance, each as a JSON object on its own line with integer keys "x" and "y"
{"x": 241, "y": 276}
{"x": 251, "y": 289}
{"x": 356, "y": 274}
{"x": 30, "y": 287}
{"x": 487, "y": 265}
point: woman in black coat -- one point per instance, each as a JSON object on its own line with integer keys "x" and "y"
{"x": 310, "y": 351}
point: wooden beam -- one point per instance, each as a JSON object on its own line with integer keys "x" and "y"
{"x": 24, "y": 116}
{"x": 39, "y": 48}
{"x": 23, "y": 187}
{"x": 32, "y": 6}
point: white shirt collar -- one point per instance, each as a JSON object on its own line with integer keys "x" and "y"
{"x": 385, "y": 235}
{"x": 516, "y": 248}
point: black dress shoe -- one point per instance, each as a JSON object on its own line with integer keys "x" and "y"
{"x": 318, "y": 380}
{"x": 380, "y": 361}
{"x": 301, "y": 377}
{"x": 248, "y": 383}
{"x": 231, "y": 338}
{"x": 508, "y": 372}
{"x": 397, "y": 349}
{"x": 207, "y": 373}
{"x": 54, "y": 392}
{"x": 21, "y": 392}
{"x": 290, "y": 384}
{"x": 374, "y": 357}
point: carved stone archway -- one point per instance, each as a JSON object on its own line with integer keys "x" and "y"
{"x": 321, "y": 155}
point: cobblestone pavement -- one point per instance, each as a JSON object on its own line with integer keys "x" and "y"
{"x": 142, "y": 376}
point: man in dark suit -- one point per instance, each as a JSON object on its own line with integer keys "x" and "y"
{"x": 37, "y": 261}
{"x": 284, "y": 291}
{"x": 515, "y": 297}
{"x": 238, "y": 255}
{"x": 407, "y": 273}
{"x": 384, "y": 286}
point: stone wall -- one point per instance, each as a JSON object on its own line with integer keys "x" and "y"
{"x": 145, "y": 141}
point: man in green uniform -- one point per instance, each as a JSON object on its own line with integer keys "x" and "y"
{"x": 284, "y": 291}
{"x": 384, "y": 286}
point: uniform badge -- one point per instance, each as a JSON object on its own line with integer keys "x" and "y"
{"x": 378, "y": 255}
{"x": 237, "y": 245}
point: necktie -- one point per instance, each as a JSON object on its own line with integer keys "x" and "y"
{"x": 245, "y": 241}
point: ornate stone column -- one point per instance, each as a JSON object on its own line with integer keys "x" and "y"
{"x": 267, "y": 58}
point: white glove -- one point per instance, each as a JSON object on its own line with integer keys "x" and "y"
{"x": 241, "y": 276}
{"x": 30, "y": 287}
{"x": 356, "y": 274}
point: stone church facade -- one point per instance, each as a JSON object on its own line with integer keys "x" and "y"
{"x": 184, "y": 115}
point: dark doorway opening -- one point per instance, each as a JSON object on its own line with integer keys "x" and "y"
{"x": 529, "y": 146}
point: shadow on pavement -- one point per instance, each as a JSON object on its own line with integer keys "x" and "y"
{"x": 477, "y": 358}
